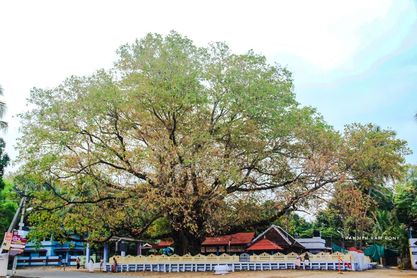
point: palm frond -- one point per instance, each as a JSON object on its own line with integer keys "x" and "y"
{"x": 3, "y": 125}
{"x": 2, "y": 109}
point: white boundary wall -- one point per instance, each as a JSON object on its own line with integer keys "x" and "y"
{"x": 236, "y": 266}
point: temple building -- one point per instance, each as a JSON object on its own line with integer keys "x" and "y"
{"x": 272, "y": 240}
{"x": 234, "y": 243}
{"x": 265, "y": 245}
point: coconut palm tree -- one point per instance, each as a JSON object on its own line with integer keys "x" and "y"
{"x": 3, "y": 124}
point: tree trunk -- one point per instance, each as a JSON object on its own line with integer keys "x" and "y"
{"x": 185, "y": 242}
{"x": 356, "y": 236}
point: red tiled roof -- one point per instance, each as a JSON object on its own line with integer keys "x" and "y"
{"x": 234, "y": 239}
{"x": 264, "y": 244}
{"x": 162, "y": 244}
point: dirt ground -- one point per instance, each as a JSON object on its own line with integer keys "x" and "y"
{"x": 379, "y": 273}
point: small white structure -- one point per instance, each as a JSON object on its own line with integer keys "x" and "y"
{"x": 314, "y": 245}
{"x": 413, "y": 252}
{"x": 358, "y": 261}
{"x": 93, "y": 267}
{"x": 221, "y": 269}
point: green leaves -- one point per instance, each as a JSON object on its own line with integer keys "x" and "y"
{"x": 405, "y": 199}
{"x": 187, "y": 134}
{"x": 373, "y": 155}
{"x": 8, "y": 206}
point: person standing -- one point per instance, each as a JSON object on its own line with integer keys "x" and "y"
{"x": 101, "y": 265}
{"x": 78, "y": 262}
{"x": 298, "y": 262}
{"x": 63, "y": 262}
{"x": 114, "y": 266}
{"x": 306, "y": 260}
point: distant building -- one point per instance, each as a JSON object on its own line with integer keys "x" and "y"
{"x": 265, "y": 245}
{"x": 275, "y": 239}
{"x": 234, "y": 243}
{"x": 50, "y": 252}
{"x": 272, "y": 240}
{"x": 314, "y": 245}
{"x": 163, "y": 247}
{"x": 162, "y": 244}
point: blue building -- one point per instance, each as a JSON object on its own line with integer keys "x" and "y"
{"x": 51, "y": 252}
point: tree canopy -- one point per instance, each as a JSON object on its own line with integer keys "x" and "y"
{"x": 7, "y": 206}
{"x": 199, "y": 136}
{"x": 405, "y": 199}
{"x": 4, "y": 158}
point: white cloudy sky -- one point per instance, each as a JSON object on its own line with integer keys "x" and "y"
{"x": 353, "y": 60}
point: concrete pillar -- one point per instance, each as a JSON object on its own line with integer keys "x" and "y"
{"x": 123, "y": 248}
{"x": 139, "y": 249}
{"x": 106, "y": 253}
{"x": 87, "y": 254}
{"x": 67, "y": 258}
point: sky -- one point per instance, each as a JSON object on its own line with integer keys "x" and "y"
{"x": 355, "y": 61}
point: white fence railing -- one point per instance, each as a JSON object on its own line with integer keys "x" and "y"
{"x": 291, "y": 257}
{"x": 175, "y": 263}
{"x": 44, "y": 261}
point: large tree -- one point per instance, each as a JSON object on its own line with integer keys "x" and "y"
{"x": 196, "y": 135}
{"x": 373, "y": 161}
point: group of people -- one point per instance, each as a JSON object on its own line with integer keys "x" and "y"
{"x": 306, "y": 261}
{"x": 64, "y": 262}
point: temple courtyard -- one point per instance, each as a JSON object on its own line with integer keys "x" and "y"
{"x": 58, "y": 273}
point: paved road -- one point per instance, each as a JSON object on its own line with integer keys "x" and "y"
{"x": 58, "y": 273}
